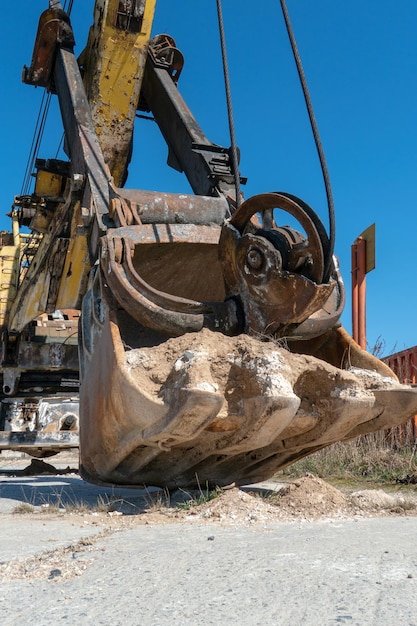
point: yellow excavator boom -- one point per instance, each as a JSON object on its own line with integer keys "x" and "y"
{"x": 113, "y": 64}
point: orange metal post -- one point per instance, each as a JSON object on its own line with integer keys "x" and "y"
{"x": 355, "y": 333}
{"x": 361, "y": 277}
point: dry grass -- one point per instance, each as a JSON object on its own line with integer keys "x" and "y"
{"x": 157, "y": 501}
{"x": 59, "y": 502}
{"x": 23, "y": 508}
{"x": 369, "y": 457}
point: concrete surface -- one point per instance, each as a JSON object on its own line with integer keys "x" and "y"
{"x": 349, "y": 572}
{"x": 358, "y": 572}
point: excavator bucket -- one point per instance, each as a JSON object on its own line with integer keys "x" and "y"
{"x": 216, "y": 410}
{"x": 197, "y": 405}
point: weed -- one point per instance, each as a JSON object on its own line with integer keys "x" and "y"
{"x": 199, "y": 498}
{"x": 367, "y": 457}
{"x": 23, "y": 508}
{"x": 156, "y": 501}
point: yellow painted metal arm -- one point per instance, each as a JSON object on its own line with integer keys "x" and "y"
{"x": 113, "y": 64}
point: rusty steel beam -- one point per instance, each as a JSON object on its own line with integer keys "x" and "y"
{"x": 206, "y": 165}
{"x": 87, "y": 161}
{"x": 148, "y": 207}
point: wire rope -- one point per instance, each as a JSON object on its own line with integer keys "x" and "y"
{"x": 41, "y": 121}
{"x": 317, "y": 140}
{"x": 233, "y": 146}
{"x": 61, "y": 143}
{"x": 36, "y": 141}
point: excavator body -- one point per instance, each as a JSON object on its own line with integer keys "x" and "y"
{"x": 204, "y": 336}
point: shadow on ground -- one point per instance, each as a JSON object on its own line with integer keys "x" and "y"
{"x": 67, "y": 490}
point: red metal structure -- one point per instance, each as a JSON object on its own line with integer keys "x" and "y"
{"x": 404, "y": 364}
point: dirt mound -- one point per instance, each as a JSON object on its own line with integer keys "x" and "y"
{"x": 235, "y": 506}
{"x": 310, "y": 496}
{"x": 306, "y": 498}
{"x": 377, "y": 499}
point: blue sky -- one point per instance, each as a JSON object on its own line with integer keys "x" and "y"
{"x": 360, "y": 60}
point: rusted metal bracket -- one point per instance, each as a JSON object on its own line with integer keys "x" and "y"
{"x": 129, "y": 15}
{"x": 54, "y": 30}
{"x": 165, "y": 54}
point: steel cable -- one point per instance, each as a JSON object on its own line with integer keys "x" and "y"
{"x": 41, "y": 120}
{"x": 235, "y": 161}
{"x": 36, "y": 141}
{"x": 319, "y": 147}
